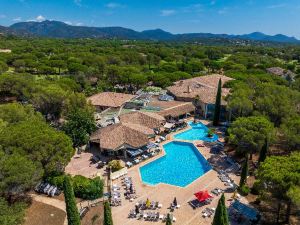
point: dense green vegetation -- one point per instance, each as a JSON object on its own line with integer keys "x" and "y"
{"x": 50, "y": 79}
{"x": 221, "y": 214}
{"x": 71, "y": 208}
{"x": 107, "y": 214}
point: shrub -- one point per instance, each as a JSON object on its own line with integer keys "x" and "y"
{"x": 86, "y": 188}
{"x": 244, "y": 190}
{"x": 71, "y": 208}
{"x": 56, "y": 180}
{"x": 107, "y": 214}
{"x": 115, "y": 165}
{"x": 256, "y": 188}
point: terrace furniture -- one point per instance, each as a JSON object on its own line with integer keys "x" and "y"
{"x": 129, "y": 164}
{"x": 137, "y": 161}
{"x": 145, "y": 157}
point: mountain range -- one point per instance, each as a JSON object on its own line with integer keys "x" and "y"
{"x": 57, "y": 29}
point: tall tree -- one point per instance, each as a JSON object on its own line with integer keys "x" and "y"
{"x": 80, "y": 124}
{"x": 71, "y": 208}
{"x": 280, "y": 178}
{"x": 264, "y": 151}
{"x": 250, "y": 133}
{"x": 217, "y": 112}
{"x": 244, "y": 173}
{"x": 107, "y": 214}
{"x": 221, "y": 214}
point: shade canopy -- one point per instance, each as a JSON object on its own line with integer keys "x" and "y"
{"x": 202, "y": 195}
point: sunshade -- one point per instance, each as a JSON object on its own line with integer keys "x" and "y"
{"x": 202, "y": 195}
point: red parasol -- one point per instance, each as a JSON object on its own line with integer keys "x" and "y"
{"x": 202, "y": 195}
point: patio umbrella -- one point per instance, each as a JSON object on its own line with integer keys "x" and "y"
{"x": 137, "y": 210}
{"x": 175, "y": 201}
{"x": 202, "y": 195}
{"x": 148, "y": 203}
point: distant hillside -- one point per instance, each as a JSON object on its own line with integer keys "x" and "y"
{"x": 56, "y": 29}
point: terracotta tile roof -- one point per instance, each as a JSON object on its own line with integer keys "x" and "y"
{"x": 147, "y": 119}
{"x": 204, "y": 86}
{"x": 110, "y": 99}
{"x": 178, "y": 110}
{"x": 117, "y": 135}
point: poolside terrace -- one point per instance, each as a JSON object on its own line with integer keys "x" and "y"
{"x": 164, "y": 193}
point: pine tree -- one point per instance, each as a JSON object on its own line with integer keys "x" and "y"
{"x": 107, "y": 214}
{"x": 71, "y": 208}
{"x": 244, "y": 173}
{"x": 221, "y": 215}
{"x": 264, "y": 152}
{"x": 218, "y": 105}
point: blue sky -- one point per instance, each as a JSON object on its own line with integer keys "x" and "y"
{"x": 176, "y": 16}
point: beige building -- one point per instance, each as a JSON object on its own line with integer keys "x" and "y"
{"x": 133, "y": 132}
{"x": 107, "y": 100}
{"x": 205, "y": 87}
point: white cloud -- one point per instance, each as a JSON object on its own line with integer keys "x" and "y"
{"x": 2, "y": 16}
{"x": 68, "y": 22}
{"x": 17, "y": 19}
{"x": 40, "y": 18}
{"x": 167, "y": 12}
{"x": 79, "y": 24}
{"x": 276, "y": 6}
{"x": 113, "y": 5}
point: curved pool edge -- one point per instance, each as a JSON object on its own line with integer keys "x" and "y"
{"x": 164, "y": 154}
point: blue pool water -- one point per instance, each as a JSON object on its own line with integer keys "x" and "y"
{"x": 181, "y": 165}
{"x": 198, "y": 131}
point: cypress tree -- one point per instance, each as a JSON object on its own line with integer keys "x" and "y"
{"x": 264, "y": 151}
{"x": 218, "y": 105}
{"x": 71, "y": 208}
{"x": 244, "y": 173}
{"x": 168, "y": 220}
{"x": 107, "y": 214}
{"x": 221, "y": 215}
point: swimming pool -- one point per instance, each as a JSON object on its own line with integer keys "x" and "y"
{"x": 198, "y": 131}
{"x": 181, "y": 165}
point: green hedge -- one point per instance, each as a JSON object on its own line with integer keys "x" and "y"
{"x": 84, "y": 188}
{"x": 71, "y": 208}
{"x": 107, "y": 214}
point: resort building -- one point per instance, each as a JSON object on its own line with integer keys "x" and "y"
{"x": 146, "y": 119}
{"x": 178, "y": 112}
{"x": 205, "y": 89}
{"x": 115, "y": 139}
{"x": 134, "y": 131}
{"x": 105, "y": 100}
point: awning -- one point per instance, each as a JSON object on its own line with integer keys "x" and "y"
{"x": 202, "y": 195}
{"x": 168, "y": 125}
{"x": 134, "y": 153}
{"x": 151, "y": 145}
{"x": 245, "y": 210}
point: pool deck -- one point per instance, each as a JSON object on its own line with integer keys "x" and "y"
{"x": 165, "y": 193}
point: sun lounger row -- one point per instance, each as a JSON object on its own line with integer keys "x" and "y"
{"x": 217, "y": 191}
{"x": 153, "y": 205}
{"x": 48, "y": 189}
{"x": 196, "y": 203}
{"x": 208, "y": 212}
